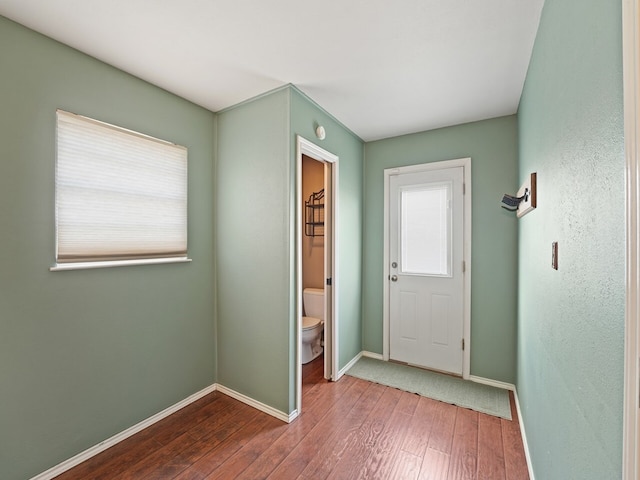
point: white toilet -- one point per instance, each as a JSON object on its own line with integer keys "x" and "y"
{"x": 312, "y": 323}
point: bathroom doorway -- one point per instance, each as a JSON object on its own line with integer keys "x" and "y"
{"x": 317, "y": 172}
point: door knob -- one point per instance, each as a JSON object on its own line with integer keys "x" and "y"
{"x": 394, "y": 278}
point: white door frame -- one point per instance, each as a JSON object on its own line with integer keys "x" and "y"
{"x": 631, "y": 65}
{"x": 305, "y": 147}
{"x": 388, "y": 172}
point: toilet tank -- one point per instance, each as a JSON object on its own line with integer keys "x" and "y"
{"x": 313, "y": 302}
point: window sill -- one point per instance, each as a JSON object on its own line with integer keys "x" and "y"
{"x": 115, "y": 263}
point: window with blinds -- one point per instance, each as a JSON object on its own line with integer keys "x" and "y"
{"x": 121, "y": 196}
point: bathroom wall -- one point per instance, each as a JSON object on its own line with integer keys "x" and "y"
{"x": 492, "y": 146}
{"x": 312, "y": 247}
{"x": 86, "y": 354}
{"x": 571, "y": 320}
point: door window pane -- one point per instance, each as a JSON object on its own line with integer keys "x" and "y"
{"x": 425, "y": 229}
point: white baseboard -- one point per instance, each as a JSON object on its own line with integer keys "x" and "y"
{"x": 377, "y": 356}
{"x": 524, "y": 437}
{"x": 119, "y": 437}
{"x": 493, "y": 383}
{"x": 364, "y": 353}
{"x": 288, "y": 418}
{"x": 473, "y": 378}
{"x": 510, "y": 386}
{"x": 348, "y": 366}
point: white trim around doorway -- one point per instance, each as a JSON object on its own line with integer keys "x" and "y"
{"x": 388, "y": 172}
{"x": 305, "y": 147}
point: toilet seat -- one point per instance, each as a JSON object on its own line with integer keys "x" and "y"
{"x": 310, "y": 322}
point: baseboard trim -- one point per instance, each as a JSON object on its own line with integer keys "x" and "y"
{"x": 473, "y": 378}
{"x": 493, "y": 383}
{"x": 288, "y": 418}
{"x": 377, "y": 356}
{"x": 523, "y": 434}
{"x": 363, "y": 353}
{"x": 348, "y": 366}
{"x": 119, "y": 437}
{"x": 524, "y": 437}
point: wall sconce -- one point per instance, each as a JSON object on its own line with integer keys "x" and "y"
{"x": 320, "y": 133}
{"x": 525, "y": 200}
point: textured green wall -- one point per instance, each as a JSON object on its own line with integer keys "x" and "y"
{"x": 86, "y": 354}
{"x": 305, "y": 116}
{"x": 492, "y": 146}
{"x": 571, "y": 321}
{"x": 256, "y": 241}
{"x": 253, "y": 249}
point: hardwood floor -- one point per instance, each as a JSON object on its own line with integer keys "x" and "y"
{"x": 348, "y": 429}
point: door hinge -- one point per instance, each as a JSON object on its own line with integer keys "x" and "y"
{"x": 329, "y": 282}
{"x": 464, "y": 188}
{"x": 464, "y": 266}
{"x": 463, "y": 344}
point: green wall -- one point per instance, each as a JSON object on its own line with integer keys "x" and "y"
{"x": 86, "y": 354}
{"x": 253, "y": 249}
{"x": 571, "y": 321}
{"x": 305, "y": 116}
{"x": 492, "y": 146}
{"x": 255, "y": 245}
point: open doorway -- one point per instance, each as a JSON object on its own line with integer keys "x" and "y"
{"x": 316, "y": 271}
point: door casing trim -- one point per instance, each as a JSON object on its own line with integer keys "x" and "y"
{"x": 388, "y": 172}
{"x": 305, "y": 147}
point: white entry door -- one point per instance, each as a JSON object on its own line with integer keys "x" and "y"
{"x": 426, "y": 271}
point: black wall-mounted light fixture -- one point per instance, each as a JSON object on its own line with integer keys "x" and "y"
{"x": 525, "y": 200}
{"x": 511, "y": 203}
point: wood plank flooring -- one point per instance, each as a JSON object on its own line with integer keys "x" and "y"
{"x": 349, "y": 429}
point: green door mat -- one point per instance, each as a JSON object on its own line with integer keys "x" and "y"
{"x": 463, "y": 393}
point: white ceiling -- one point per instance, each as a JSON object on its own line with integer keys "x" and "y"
{"x": 381, "y": 67}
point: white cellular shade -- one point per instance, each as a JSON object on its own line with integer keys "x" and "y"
{"x": 425, "y": 229}
{"x": 120, "y": 195}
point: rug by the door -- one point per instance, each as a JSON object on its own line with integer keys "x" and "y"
{"x": 463, "y": 393}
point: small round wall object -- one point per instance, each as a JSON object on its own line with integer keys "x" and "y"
{"x": 320, "y": 133}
